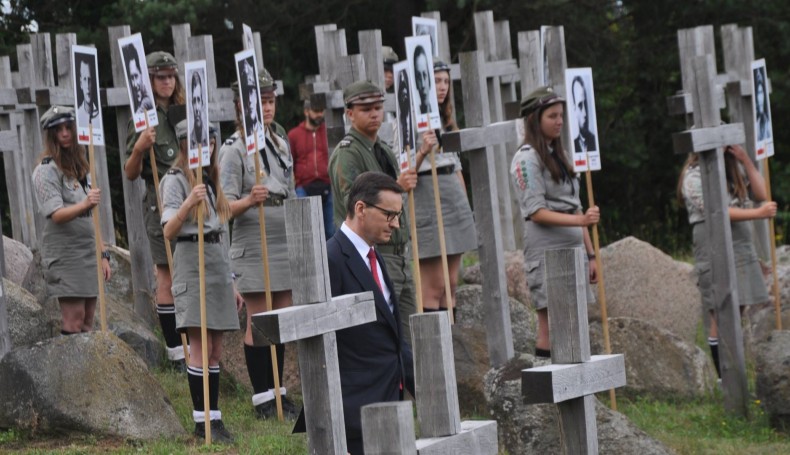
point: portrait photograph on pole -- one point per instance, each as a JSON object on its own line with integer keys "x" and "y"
{"x": 580, "y": 101}
{"x": 763, "y": 131}
{"x": 135, "y": 70}
{"x": 249, "y": 94}
{"x": 424, "y": 26}
{"x": 425, "y": 104}
{"x": 197, "y": 113}
{"x": 403, "y": 109}
{"x": 85, "y": 77}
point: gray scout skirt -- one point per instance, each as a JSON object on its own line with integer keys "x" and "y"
{"x": 460, "y": 234}
{"x": 153, "y": 227}
{"x": 220, "y": 301}
{"x": 68, "y": 253}
{"x": 245, "y": 252}
{"x": 749, "y": 278}
{"x": 538, "y": 239}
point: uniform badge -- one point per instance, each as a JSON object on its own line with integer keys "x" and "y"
{"x": 344, "y": 143}
{"x": 170, "y": 153}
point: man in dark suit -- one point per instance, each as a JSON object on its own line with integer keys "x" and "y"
{"x": 585, "y": 141}
{"x": 375, "y": 362}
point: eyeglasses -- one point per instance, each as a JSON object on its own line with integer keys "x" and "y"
{"x": 388, "y": 213}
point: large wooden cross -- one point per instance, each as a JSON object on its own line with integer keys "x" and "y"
{"x": 708, "y": 138}
{"x": 574, "y": 375}
{"x": 5, "y": 334}
{"x": 312, "y": 323}
{"x": 388, "y": 428}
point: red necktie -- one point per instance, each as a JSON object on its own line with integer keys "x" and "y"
{"x": 374, "y": 268}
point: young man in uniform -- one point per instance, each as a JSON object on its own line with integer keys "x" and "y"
{"x": 360, "y": 151}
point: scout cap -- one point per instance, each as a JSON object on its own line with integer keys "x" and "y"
{"x": 538, "y": 99}
{"x": 362, "y": 92}
{"x": 181, "y": 130}
{"x": 160, "y": 60}
{"x": 389, "y": 55}
{"x": 439, "y": 65}
{"x": 56, "y": 115}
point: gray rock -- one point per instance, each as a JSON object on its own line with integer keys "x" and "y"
{"x": 515, "y": 276}
{"x": 535, "y": 428}
{"x": 131, "y": 328}
{"x": 658, "y": 363}
{"x": 18, "y": 258}
{"x": 89, "y": 383}
{"x": 644, "y": 283}
{"x": 471, "y": 313}
{"x": 759, "y": 325}
{"x": 28, "y": 322}
{"x": 773, "y": 383}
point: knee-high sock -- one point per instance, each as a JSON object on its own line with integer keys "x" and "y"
{"x": 713, "y": 344}
{"x": 167, "y": 320}
{"x": 213, "y": 387}
{"x": 259, "y": 362}
{"x": 195, "y": 378}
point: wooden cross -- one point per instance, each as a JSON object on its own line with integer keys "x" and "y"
{"x": 388, "y": 428}
{"x": 574, "y": 376}
{"x": 312, "y": 323}
{"x": 709, "y": 138}
{"x": 5, "y": 334}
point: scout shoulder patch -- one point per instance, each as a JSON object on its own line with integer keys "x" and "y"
{"x": 174, "y": 171}
{"x": 344, "y": 143}
{"x": 46, "y": 160}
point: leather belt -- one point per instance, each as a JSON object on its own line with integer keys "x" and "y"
{"x": 274, "y": 200}
{"x": 211, "y": 237}
{"x": 444, "y": 170}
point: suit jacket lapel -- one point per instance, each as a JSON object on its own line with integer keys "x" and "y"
{"x": 362, "y": 273}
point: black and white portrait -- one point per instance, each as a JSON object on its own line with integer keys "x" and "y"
{"x": 403, "y": 106}
{"x": 580, "y": 101}
{"x": 763, "y": 131}
{"x": 248, "y": 39}
{"x": 197, "y": 112}
{"x": 426, "y": 105}
{"x": 425, "y": 26}
{"x": 137, "y": 81}
{"x": 86, "y": 95}
{"x": 250, "y": 99}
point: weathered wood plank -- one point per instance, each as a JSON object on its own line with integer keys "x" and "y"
{"x": 323, "y": 403}
{"x": 480, "y": 137}
{"x": 305, "y": 321}
{"x": 181, "y": 34}
{"x": 529, "y": 59}
{"x": 486, "y": 198}
{"x": 699, "y": 139}
{"x": 43, "y": 69}
{"x": 350, "y": 68}
{"x": 560, "y": 382}
{"x": 566, "y": 291}
{"x": 370, "y": 48}
{"x": 5, "y": 72}
{"x": 5, "y": 334}
{"x": 307, "y": 250}
{"x": 142, "y": 266}
{"x": 63, "y": 43}
{"x": 485, "y": 36}
{"x": 434, "y": 375}
{"x": 578, "y": 426}
{"x": 477, "y": 437}
{"x": 388, "y": 428}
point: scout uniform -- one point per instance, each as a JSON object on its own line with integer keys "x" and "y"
{"x": 459, "y": 224}
{"x": 237, "y": 176}
{"x": 536, "y": 190}
{"x": 354, "y": 155}
{"x": 68, "y": 250}
{"x": 221, "y": 312}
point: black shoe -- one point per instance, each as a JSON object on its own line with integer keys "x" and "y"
{"x": 219, "y": 434}
{"x": 268, "y": 410}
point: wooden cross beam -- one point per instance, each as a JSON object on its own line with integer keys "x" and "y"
{"x": 478, "y": 144}
{"x": 708, "y": 139}
{"x": 388, "y": 428}
{"x": 312, "y": 323}
{"x": 574, "y": 376}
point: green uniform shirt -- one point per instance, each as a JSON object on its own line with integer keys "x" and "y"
{"x": 353, "y": 156}
{"x": 166, "y": 147}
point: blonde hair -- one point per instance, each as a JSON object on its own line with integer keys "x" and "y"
{"x": 221, "y": 205}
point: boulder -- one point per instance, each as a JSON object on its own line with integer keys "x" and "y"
{"x": 18, "y": 259}
{"x": 471, "y": 313}
{"x": 89, "y": 383}
{"x": 644, "y": 283}
{"x": 28, "y": 322}
{"x": 470, "y": 346}
{"x": 535, "y": 428}
{"x": 658, "y": 363}
{"x": 772, "y": 358}
{"x": 514, "y": 275}
{"x": 759, "y": 325}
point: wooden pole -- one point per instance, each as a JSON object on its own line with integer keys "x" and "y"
{"x": 202, "y": 279}
{"x": 448, "y": 298}
{"x": 601, "y": 287}
{"x": 772, "y": 235}
{"x": 267, "y": 282}
{"x": 415, "y": 251}
{"x": 155, "y": 172}
{"x": 97, "y": 234}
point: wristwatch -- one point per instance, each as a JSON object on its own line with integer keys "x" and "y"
{"x": 105, "y": 255}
